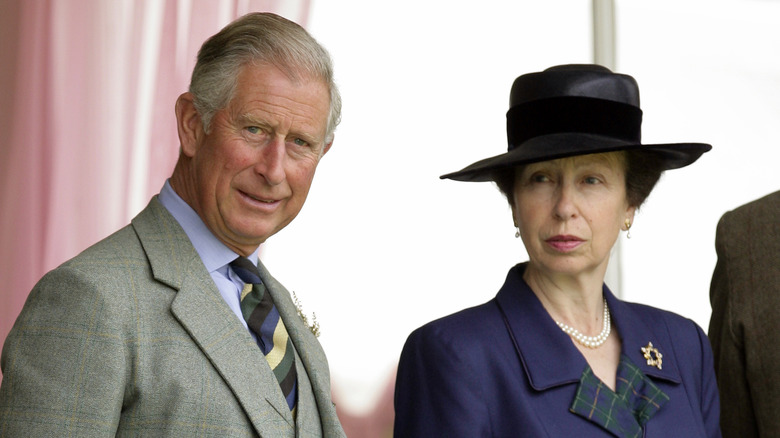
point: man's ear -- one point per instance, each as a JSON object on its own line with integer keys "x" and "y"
{"x": 188, "y": 124}
{"x": 327, "y": 146}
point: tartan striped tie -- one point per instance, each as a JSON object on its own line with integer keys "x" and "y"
{"x": 263, "y": 319}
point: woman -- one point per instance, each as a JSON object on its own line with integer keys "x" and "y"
{"x": 555, "y": 354}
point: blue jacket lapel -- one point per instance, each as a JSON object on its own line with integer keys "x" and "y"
{"x": 637, "y": 328}
{"x": 547, "y": 354}
{"x": 550, "y": 359}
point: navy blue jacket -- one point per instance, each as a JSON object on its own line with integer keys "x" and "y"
{"x": 504, "y": 369}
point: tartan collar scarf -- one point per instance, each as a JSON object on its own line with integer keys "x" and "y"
{"x": 625, "y": 411}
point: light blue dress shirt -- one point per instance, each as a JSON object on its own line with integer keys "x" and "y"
{"x": 214, "y": 254}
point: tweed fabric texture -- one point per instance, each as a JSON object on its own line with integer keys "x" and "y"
{"x": 132, "y": 338}
{"x": 745, "y": 328}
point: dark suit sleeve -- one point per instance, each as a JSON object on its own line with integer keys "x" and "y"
{"x": 438, "y": 391}
{"x": 725, "y": 335}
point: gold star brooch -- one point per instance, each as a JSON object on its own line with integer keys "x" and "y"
{"x": 649, "y": 351}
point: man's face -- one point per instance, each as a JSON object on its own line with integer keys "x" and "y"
{"x": 251, "y": 173}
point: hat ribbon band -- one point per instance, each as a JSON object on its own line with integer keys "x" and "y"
{"x": 573, "y": 114}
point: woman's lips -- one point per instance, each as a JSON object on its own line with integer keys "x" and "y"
{"x": 564, "y": 243}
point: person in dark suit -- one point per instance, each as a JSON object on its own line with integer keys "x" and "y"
{"x": 169, "y": 327}
{"x": 555, "y": 353}
{"x": 745, "y": 322}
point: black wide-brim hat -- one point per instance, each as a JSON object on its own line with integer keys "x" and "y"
{"x": 570, "y": 110}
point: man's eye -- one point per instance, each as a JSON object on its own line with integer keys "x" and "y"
{"x": 253, "y": 129}
{"x": 300, "y": 142}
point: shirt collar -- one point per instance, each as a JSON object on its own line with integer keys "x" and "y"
{"x": 214, "y": 254}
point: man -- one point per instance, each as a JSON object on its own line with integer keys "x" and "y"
{"x": 144, "y": 333}
{"x": 745, "y": 324}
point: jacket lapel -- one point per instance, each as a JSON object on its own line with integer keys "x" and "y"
{"x": 638, "y": 328}
{"x": 312, "y": 360}
{"x": 202, "y": 312}
{"x": 307, "y": 420}
{"x": 546, "y": 352}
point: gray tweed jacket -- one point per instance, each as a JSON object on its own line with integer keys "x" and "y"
{"x": 132, "y": 338}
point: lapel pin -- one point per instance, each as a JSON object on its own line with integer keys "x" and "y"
{"x": 651, "y": 351}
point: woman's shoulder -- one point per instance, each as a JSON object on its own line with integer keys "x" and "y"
{"x": 654, "y": 315}
{"x": 470, "y": 325}
{"x": 686, "y": 336}
{"x": 463, "y": 320}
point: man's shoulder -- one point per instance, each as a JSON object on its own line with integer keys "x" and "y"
{"x": 153, "y": 240}
{"x": 750, "y": 227}
{"x": 126, "y": 242}
{"x": 120, "y": 241}
{"x": 765, "y": 207}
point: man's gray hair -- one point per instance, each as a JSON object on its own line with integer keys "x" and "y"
{"x": 259, "y": 38}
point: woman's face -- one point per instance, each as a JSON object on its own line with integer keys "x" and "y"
{"x": 570, "y": 212}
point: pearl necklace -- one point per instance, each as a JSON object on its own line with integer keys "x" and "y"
{"x": 590, "y": 341}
